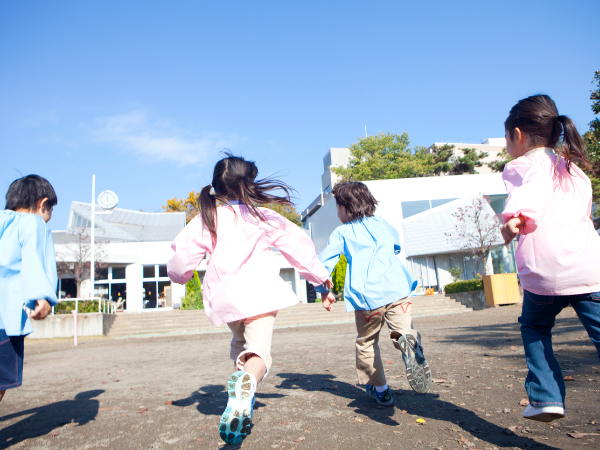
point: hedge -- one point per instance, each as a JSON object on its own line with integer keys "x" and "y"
{"x": 464, "y": 286}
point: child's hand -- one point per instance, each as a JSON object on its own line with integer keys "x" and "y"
{"x": 42, "y": 309}
{"x": 328, "y": 301}
{"x": 328, "y": 284}
{"x": 511, "y": 228}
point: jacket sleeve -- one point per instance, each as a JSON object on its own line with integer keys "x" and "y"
{"x": 38, "y": 265}
{"x": 331, "y": 255}
{"x": 190, "y": 246}
{"x": 296, "y": 247}
{"x": 530, "y": 192}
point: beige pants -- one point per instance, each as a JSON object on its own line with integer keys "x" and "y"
{"x": 398, "y": 316}
{"x": 252, "y": 336}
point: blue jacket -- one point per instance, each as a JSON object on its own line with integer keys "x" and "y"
{"x": 375, "y": 276}
{"x": 27, "y": 269}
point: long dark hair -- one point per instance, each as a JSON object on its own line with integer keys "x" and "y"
{"x": 538, "y": 118}
{"x": 234, "y": 178}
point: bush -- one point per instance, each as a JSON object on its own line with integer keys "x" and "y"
{"x": 83, "y": 306}
{"x": 193, "y": 294}
{"x": 464, "y": 286}
{"x": 338, "y": 276}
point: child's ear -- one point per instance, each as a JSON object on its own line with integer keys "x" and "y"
{"x": 42, "y": 205}
{"x": 519, "y": 135}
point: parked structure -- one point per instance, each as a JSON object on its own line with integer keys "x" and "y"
{"x": 421, "y": 209}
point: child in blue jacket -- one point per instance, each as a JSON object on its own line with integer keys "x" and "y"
{"x": 27, "y": 270}
{"x": 377, "y": 287}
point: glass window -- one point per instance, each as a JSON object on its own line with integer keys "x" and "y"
{"x": 101, "y": 290}
{"x": 415, "y": 207}
{"x": 118, "y": 291}
{"x": 150, "y": 294}
{"x": 327, "y": 190}
{"x": 149, "y": 271}
{"x": 441, "y": 201}
{"x": 102, "y": 274}
{"x": 497, "y": 202}
{"x": 162, "y": 271}
{"x": 118, "y": 273}
{"x": 163, "y": 297}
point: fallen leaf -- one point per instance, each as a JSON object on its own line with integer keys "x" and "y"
{"x": 506, "y": 410}
{"x": 524, "y": 402}
{"x": 104, "y": 382}
{"x": 142, "y": 410}
{"x": 116, "y": 381}
{"x": 333, "y": 404}
{"x": 169, "y": 402}
{"x": 300, "y": 439}
{"x": 403, "y": 411}
{"x": 581, "y": 435}
{"x": 389, "y": 361}
{"x": 287, "y": 423}
{"x": 569, "y": 378}
{"x": 358, "y": 419}
{"x": 439, "y": 380}
{"x": 421, "y": 421}
{"x": 54, "y": 434}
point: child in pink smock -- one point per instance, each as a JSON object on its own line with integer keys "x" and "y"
{"x": 549, "y": 205}
{"x": 242, "y": 286}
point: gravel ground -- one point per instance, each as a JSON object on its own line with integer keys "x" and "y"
{"x": 169, "y": 392}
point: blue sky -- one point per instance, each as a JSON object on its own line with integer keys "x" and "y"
{"x": 145, "y": 94}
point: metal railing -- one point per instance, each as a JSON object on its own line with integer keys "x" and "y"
{"x": 104, "y": 305}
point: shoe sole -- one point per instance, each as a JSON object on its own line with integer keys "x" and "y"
{"x": 545, "y": 417}
{"x": 236, "y": 421}
{"x": 418, "y": 374}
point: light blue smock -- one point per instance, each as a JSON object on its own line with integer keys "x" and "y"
{"x": 375, "y": 276}
{"x": 27, "y": 269}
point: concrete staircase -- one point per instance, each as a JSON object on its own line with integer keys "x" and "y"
{"x": 195, "y": 321}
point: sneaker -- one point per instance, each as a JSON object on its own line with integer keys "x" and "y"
{"x": 237, "y": 418}
{"x": 417, "y": 369}
{"x": 383, "y": 398}
{"x": 544, "y": 413}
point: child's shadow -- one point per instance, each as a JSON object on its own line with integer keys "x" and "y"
{"x": 427, "y": 405}
{"x": 212, "y": 400}
{"x": 81, "y": 410}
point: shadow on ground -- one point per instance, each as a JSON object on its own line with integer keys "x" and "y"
{"x": 428, "y": 406}
{"x": 41, "y": 421}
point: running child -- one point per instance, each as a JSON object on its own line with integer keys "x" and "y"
{"x": 549, "y": 206}
{"x": 242, "y": 286}
{"x": 27, "y": 270}
{"x": 376, "y": 288}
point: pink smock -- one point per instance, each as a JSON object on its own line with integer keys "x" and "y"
{"x": 559, "y": 249}
{"x": 242, "y": 279}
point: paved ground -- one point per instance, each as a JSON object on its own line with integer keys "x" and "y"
{"x": 168, "y": 392}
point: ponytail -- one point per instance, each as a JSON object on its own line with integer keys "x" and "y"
{"x": 573, "y": 148}
{"x": 538, "y": 119}
{"x": 234, "y": 179}
{"x": 208, "y": 209}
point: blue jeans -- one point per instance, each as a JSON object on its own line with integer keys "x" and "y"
{"x": 544, "y": 383}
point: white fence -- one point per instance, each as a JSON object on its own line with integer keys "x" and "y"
{"x": 104, "y": 305}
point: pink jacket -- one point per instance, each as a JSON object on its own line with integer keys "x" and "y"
{"x": 558, "y": 252}
{"x": 242, "y": 279}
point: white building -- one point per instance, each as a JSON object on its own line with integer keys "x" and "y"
{"x": 134, "y": 248}
{"x": 421, "y": 210}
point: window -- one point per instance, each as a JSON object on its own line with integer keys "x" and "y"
{"x": 415, "y": 207}
{"x": 327, "y": 190}
{"x": 497, "y": 202}
{"x": 162, "y": 271}
{"x": 441, "y": 201}
{"x": 102, "y": 274}
{"x": 118, "y": 273}
{"x": 149, "y": 271}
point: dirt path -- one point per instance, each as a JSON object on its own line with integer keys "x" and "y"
{"x": 168, "y": 392}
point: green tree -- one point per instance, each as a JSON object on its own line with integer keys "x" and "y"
{"x": 193, "y": 294}
{"x": 498, "y": 165}
{"x": 442, "y": 157}
{"x": 468, "y": 162}
{"x": 592, "y": 143}
{"x": 385, "y": 156}
{"x": 338, "y": 276}
{"x": 287, "y": 211}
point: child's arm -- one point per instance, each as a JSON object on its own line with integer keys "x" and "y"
{"x": 511, "y": 228}
{"x": 530, "y": 193}
{"x": 38, "y": 267}
{"x": 190, "y": 246}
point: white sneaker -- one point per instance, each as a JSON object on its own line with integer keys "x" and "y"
{"x": 544, "y": 413}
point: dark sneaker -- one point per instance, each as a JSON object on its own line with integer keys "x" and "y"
{"x": 237, "y": 418}
{"x": 383, "y": 398}
{"x": 417, "y": 369}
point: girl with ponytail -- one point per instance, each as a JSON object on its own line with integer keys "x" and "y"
{"x": 242, "y": 286}
{"x": 549, "y": 206}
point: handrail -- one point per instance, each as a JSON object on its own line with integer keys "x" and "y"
{"x": 104, "y": 305}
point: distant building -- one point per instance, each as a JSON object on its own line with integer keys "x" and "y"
{"x": 492, "y": 146}
{"x": 421, "y": 210}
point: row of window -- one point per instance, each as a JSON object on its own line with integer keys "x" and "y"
{"x": 118, "y": 273}
{"x": 418, "y": 206}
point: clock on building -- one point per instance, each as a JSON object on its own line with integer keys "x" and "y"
{"x": 108, "y": 200}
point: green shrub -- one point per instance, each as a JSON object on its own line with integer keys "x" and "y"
{"x": 338, "y": 276}
{"x": 464, "y": 286}
{"x": 193, "y": 294}
{"x": 83, "y": 306}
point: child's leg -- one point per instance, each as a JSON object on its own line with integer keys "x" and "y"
{"x": 256, "y": 355}
{"x": 369, "y": 366}
{"x": 544, "y": 382}
{"x": 408, "y": 340}
{"x": 587, "y": 308}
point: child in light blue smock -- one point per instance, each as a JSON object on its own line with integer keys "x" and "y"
{"x": 377, "y": 289}
{"x": 27, "y": 270}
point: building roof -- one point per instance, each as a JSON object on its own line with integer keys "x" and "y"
{"x": 124, "y": 224}
{"x": 426, "y": 233}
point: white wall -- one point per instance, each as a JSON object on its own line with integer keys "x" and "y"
{"x": 133, "y": 279}
{"x": 322, "y": 223}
